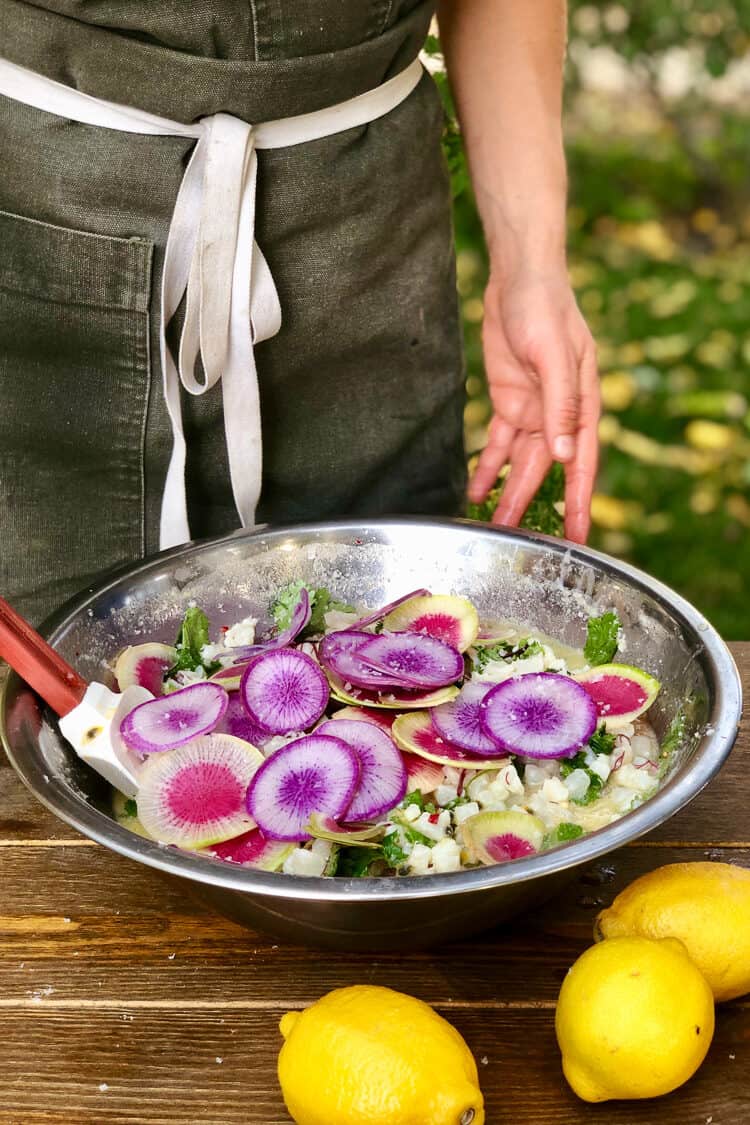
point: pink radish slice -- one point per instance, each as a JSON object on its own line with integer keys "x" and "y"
{"x": 416, "y": 734}
{"x": 539, "y": 715}
{"x": 172, "y": 720}
{"x": 300, "y": 617}
{"x": 379, "y": 614}
{"x": 447, "y": 617}
{"x": 620, "y": 691}
{"x": 341, "y": 652}
{"x": 382, "y": 719}
{"x": 424, "y": 661}
{"x": 284, "y": 690}
{"x": 238, "y": 723}
{"x": 382, "y": 773}
{"x": 230, "y": 677}
{"x": 460, "y": 721}
{"x": 314, "y": 774}
{"x": 423, "y": 775}
{"x": 252, "y": 849}
{"x": 395, "y": 699}
{"x": 195, "y": 796}
{"x": 144, "y": 666}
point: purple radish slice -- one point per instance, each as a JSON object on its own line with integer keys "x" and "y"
{"x": 539, "y": 715}
{"x": 423, "y": 774}
{"x": 394, "y": 700}
{"x": 314, "y": 774}
{"x": 496, "y": 837}
{"x": 326, "y": 828}
{"x": 379, "y": 614}
{"x": 340, "y": 652}
{"x": 366, "y": 715}
{"x": 416, "y": 734}
{"x": 284, "y": 690}
{"x": 620, "y": 692}
{"x": 446, "y": 617}
{"x": 423, "y": 661}
{"x": 145, "y": 666}
{"x": 195, "y": 796}
{"x": 301, "y": 615}
{"x": 382, "y": 773}
{"x": 460, "y": 721}
{"x": 238, "y": 723}
{"x": 252, "y": 849}
{"x": 230, "y": 677}
{"x": 172, "y": 720}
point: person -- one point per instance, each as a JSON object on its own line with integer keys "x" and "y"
{"x": 249, "y": 202}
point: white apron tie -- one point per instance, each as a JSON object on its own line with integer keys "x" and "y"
{"x": 213, "y": 261}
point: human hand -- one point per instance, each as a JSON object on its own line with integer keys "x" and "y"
{"x": 543, "y": 380}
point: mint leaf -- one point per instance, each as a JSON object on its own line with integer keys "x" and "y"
{"x": 321, "y": 603}
{"x": 193, "y": 635}
{"x": 601, "y": 741}
{"x": 602, "y": 638}
{"x": 503, "y": 650}
{"x": 356, "y": 862}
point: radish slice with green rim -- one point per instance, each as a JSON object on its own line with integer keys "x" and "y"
{"x": 416, "y": 734}
{"x": 195, "y": 796}
{"x": 382, "y": 719}
{"x": 446, "y": 617}
{"x": 284, "y": 690}
{"x": 460, "y": 721}
{"x": 497, "y": 837}
{"x": 314, "y": 774}
{"x": 325, "y": 828}
{"x": 144, "y": 666}
{"x": 539, "y": 715}
{"x": 382, "y": 773}
{"x": 423, "y": 774}
{"x": 620, "y": 692}
{"x": 252, "y": 849}
{"x": 341, "y": 653}
{"x": 391, "y": 700}
{"x": 172, "y": 720}
{"x": 230, "y": 677}
{"x": 379, "y": 614}
{"x": 424, "y": 662}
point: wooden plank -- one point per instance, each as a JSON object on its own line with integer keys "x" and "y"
{"x": 63, "y": 939}
{"x": 159, "y": 1068}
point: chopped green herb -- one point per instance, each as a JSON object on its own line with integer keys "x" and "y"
{"x": 602, "y": 638}
{"x": 356, "y": 862}
{"x": 416, "y": 797}
{"x": 504, "y": 650}
{"x": 601, "y": 741}
{"x": 130, "y": 808}
{"x": 193, "y": 635}
{"x": 675, "y": 734}
{"x": 578, "y": 762}
{"x": 332, "y": 863}
{"x": 393, "y": 853}
{"x": 564, "y": 832}
{"x": 321, "y": 603}
{"x": 541, "y": 515}
{"x": 456, "y": 803}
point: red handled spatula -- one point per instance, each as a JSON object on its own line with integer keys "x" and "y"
{"x": 90, "y": 714}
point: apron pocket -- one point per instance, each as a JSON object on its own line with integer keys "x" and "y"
{"x": 74, "y": 385}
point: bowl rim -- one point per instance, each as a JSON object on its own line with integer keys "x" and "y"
{"x": 710, "y": 754}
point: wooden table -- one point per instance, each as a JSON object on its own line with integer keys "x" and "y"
{"x": 122, "y": 1000}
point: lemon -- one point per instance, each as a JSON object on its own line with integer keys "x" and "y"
{"x": 705, "y": 905}
{"x": 370, "y": 1056}
{"x": 634, "y": 1019}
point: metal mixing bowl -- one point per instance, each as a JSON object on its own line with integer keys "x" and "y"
{"x": 511, "y": 575}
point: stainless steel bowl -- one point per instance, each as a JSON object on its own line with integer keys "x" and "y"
{"x": 551, "y": 585}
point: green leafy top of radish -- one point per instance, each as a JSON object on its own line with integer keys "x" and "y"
{"x": 321, "y": 603}
{"x": 192, "y": 637}
{"x": 503, "y": 650}
{"x": 602, "y": 638}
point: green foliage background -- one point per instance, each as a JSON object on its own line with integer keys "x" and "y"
{"x": 659, "y": 222}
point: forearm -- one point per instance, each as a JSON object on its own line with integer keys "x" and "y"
{"x": 505, "y": 60}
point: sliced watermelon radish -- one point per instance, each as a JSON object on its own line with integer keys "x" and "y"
{"x": 382, "y": 776}
{"x": 448, "y": 618}
{"x": 229, "y": 677}
{"x": 284, "y": 690}
{"x": 413, "y": 659}
{"x": 144, "y": 665}
{"x": 341, "y": 652}
{"x": 539, "y": 715}
{"x": 620, "y": 692}
{"x": 379, "y": 614}
{"x": 423, "y": 774}
{"x": 172, "y": 720}
{"x": 326, "y": 828}
{"x": 460, "y": 721}
{"x": 314, "y": 774}
{"x": 252, "y": 849}
{"x": 496, "y": 837}
{"x": 382, "y": 719}
{"x": 301, "y": 615}
{"x": 238, "y": 723}
{"x": 392, "y": 700}
{"x": 194, "y": 796}
{"x": 416, "y": 734}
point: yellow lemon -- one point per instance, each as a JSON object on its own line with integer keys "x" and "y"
{"x": 705, "y": 905}
{"x": 371, "y": 1056}
{"x": 634, "y": 1019}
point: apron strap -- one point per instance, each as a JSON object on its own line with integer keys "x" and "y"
{"x": 212, "y": 260}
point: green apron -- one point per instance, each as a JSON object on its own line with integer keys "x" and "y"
{"x": 362, "y": 389}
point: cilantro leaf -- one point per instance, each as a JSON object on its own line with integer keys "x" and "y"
{"x": 602, "y": 638}
{"x": 564, "y": 832}
{"x": 541, "y": 514}
{"x": 393, "y": 853}
{"x": 601, "y": 741}
{"x": 578, "y": 762}
{"x": 130, "y": 808}
{"x": 321, "y": 603}
{"x": 416, "y": 797}
{"x": 503, "y": 650}
{"x": 193, "y": 635}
